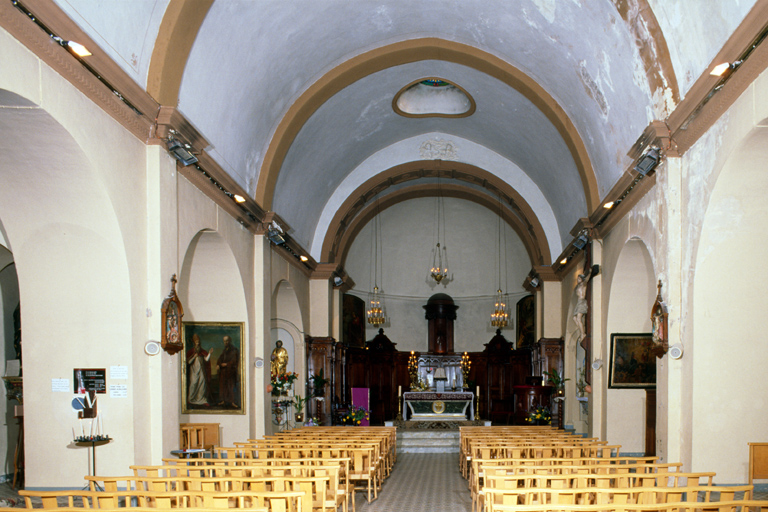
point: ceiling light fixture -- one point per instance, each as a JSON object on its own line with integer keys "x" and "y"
{"x": 564, "y": 261}
{"x": 275, "y": 233}
{"x": 78, "y": 49}
{"x": 303, "y": 258}
{"x": 439, "y": 269}
{"x": 723, "y": 67}
{"x": 238, "y": 198}
{"x": 609, "y": 205}
{"x": 181, "y": 151}
{"x": 375, "y": 312}
{"x": 648, "y": 161}
{"x": 500, "y": 314}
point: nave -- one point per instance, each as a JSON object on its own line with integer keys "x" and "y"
{"x": 421, "y": 482}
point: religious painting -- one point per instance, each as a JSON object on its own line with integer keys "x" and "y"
{"x": 353, "y": 321}
{"x": 526, "y": 317}
{"x": 213, "y": 370}
{"x": 633, "y": 362}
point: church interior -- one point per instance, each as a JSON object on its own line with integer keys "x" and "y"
{"x": 479, "y": 197}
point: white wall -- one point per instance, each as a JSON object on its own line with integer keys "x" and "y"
{"x": 408, "y": 237}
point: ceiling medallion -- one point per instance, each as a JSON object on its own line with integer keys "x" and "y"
{"x": 438, "y": 149}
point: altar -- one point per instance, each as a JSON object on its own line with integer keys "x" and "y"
{"x": 432, "y": 406}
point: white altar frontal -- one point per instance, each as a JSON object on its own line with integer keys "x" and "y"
{"x": 433, "y": 406}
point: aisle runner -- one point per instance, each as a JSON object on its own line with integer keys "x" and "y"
{"x": 422, "y": 482}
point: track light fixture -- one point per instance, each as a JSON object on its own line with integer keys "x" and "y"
{"x": 275, "y": 233}
{"x": 182, "y": 152}
{"x": 581, "y": 240}
{"x": 648, "y": 161}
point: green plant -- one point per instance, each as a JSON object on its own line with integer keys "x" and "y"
{"x": 539, "y": 415}
{"x": 355, "y": 415}
{"x": 300, "y": 403}
{"x": 556, "y": 379}
{"x": 318, "y": 382}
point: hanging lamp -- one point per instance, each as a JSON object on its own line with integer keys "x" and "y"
{"x": 375, "y": 311}
{"x": 500, "y": 314}
{"x": 439, "y": 269}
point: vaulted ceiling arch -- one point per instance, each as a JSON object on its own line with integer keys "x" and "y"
{"x": 412, "y": 51}
{"x": 458, "y": 180}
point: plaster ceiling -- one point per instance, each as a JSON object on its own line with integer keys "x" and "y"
{"x": 563, "y": 89}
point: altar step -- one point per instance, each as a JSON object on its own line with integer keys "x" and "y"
{"x": 427, "y": 441}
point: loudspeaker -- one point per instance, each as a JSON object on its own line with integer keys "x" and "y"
{"x": 597, "y": 364}
{"x": 676, "y": 351}
{"x": 152, "y": 348}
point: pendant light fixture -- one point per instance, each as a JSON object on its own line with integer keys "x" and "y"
{"x": 375, "y": 312}
{"x": 500, "y": 315}
{"x": 439, "y": 269}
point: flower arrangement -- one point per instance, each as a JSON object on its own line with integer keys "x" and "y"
{"x": 312, "y": 422}
{"x": 281, "y": 382}
{"x": 355, "y": 415}
{"x": 539, "y": 416}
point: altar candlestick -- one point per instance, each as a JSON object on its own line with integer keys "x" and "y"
{"x": 399, "y": 391}
{"x": 477, "y": 393}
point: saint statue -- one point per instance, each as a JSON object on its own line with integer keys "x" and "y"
{"x": 279, "y": 359}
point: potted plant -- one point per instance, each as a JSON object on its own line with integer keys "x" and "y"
{"x": 557, "y": 380}
{"x": 539, "y": 416}
{"x": 355, "y": 415}
{"x": 318, "y": 383}
{"x": 300, "y": 403}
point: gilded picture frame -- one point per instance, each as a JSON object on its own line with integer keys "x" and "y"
{"x": 213, "y": 370}
{"x": 633, "y": 362}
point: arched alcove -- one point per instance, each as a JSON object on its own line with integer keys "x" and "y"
{"x": 632, "y": 293}
{"x": 73, "y": 285}
{"x": 9, "y": 316}
{"x": 729, "y": 304}
{"x": 211, "y": 290}
{"x": 287, "y": 326}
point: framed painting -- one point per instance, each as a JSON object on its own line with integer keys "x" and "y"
{"x": 633, "y": 362}
{"x": 213, "y": 370}
{"x": 526, "y": 318}
{"x": 353, "y": 321}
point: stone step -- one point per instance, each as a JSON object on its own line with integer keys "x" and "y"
{"x": 427, "y": 441}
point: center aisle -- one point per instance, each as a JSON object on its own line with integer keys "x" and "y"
{"x": 421, "y": 482}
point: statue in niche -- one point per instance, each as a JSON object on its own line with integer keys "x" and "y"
{"x": 279, "y": 359}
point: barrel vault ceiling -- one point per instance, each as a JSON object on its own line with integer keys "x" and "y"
{"x": 294, "y": 99}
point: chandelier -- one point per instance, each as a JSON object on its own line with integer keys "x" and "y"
{"x": 439, "y": 269}
{"x": 375, "y": 312}
{"x": 500, "y": 314}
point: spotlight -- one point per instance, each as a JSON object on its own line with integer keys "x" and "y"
{"x": 238, "y": 198}
{"x": 648, "y": 162}
{"x": 275, "y": 234}
{"x": 580, "y": 241}
{"x": 303, "y": 258}
{"x": 78, "y": 49}
{"x": 609, "y": 205}
{"x": 535, "y": 282}
{"x": 564, "y": 261}
{"x": 181, "y": 152}
{"x": 337, "y": 281}
{"x": 723, "y": 67}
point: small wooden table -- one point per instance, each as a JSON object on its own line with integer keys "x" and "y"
{"x": 758, "y": 461}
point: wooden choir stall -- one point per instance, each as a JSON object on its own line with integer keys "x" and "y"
{"x": 509, "y": 379}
